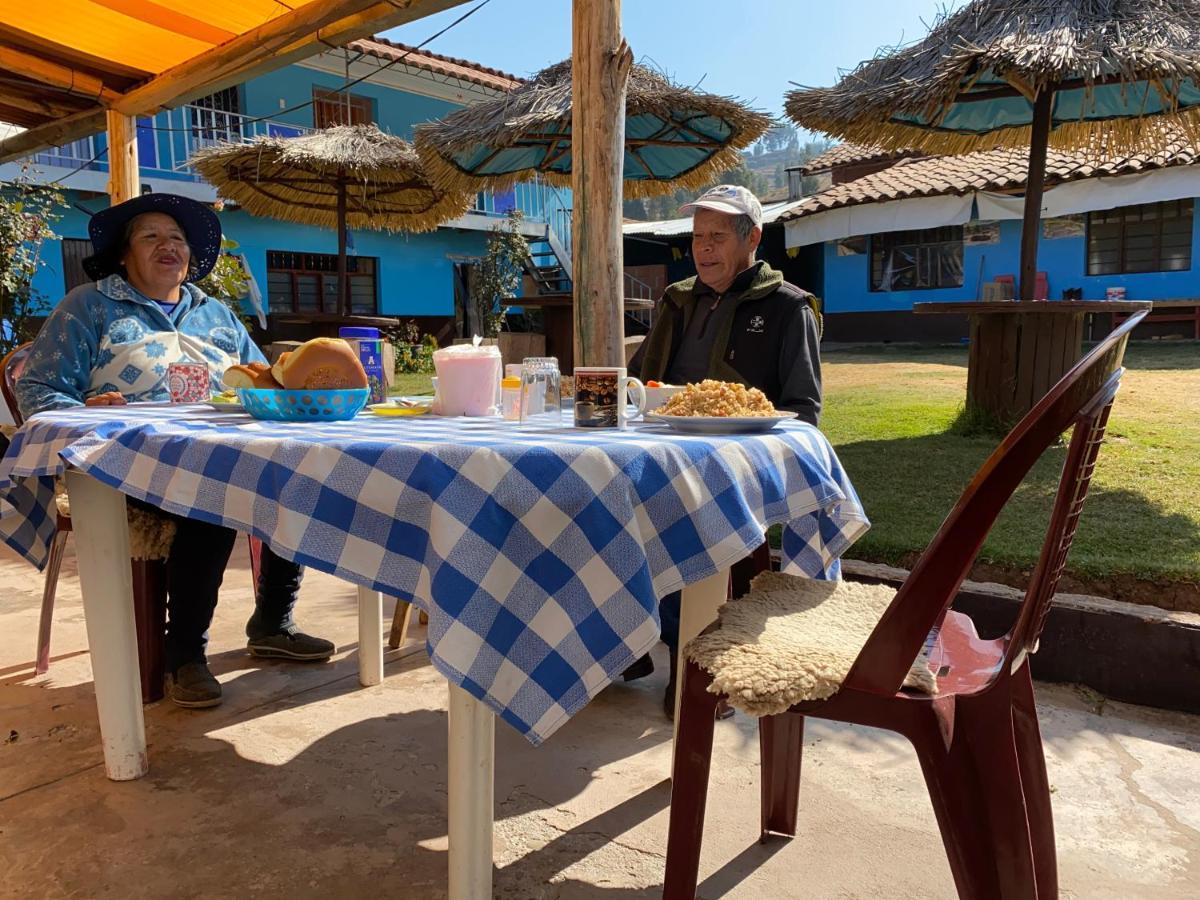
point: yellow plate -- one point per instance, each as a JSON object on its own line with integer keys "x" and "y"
{"x": 391, "y": 409}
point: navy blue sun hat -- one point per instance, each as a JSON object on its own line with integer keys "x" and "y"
{"x": 199, "y": 223}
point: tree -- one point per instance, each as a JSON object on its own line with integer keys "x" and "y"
{"x": 228, "y": 281}
{"x": 634, "y": 209}
{"x": 28, "y": 212}
{"x": 744, "y": 176}
{"x": 497, "y": 275}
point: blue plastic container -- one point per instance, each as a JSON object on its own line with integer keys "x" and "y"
{"x": 303, "y": 406}
{"x": 368, "y": 344}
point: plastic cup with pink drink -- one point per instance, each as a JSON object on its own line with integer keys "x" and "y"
{"x": 468, "y": 380}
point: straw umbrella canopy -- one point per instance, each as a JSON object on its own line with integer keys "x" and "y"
{"x": 352, "y": 176}
{"x": 675, "y": 137}
{"x": 1104, "y": 76}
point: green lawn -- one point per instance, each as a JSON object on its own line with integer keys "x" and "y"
{"x": 412, "y": 385}
{"x": 887, "y": 412}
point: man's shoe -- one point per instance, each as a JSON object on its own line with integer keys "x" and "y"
{"x": 639, "y": 668}
{"x": 292, "y": 644}
{"x": 192, "y": 686}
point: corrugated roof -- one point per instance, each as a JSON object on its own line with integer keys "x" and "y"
{"x": 989, "y": 170}
{"x": 449, "y": 66}
{"x": 673, "y": 227}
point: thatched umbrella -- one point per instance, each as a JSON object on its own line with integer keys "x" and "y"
{"x": 675, "y": 137}
{"x": 346, "y": 176}
{"x": 1075, "y": 74}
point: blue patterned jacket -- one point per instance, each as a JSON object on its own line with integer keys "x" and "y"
{"x": 108, "y": 337}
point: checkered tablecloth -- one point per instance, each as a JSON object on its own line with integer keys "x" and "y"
{"x": 539, "y": 555}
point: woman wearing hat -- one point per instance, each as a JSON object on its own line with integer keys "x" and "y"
{"x": 109, "y": 343}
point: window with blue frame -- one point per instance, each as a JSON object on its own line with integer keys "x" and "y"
{"x": 917, "y": 260}
{"x": 1150, "y": 237}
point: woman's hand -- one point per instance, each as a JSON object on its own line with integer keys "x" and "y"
{"x": 111, "y": 398}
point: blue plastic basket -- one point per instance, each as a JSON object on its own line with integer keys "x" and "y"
{"x": 303, "y": 406}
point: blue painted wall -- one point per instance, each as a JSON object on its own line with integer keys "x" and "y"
{"x": 395, "y": 111}
{"x": 415, "y": 273}
{"x": 847, "y": 278}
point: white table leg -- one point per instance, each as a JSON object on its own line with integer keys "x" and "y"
{"x": 370, "y": 637}
{"x": 102, "y": 549}
{"x": 470, "y": 773}
{"x": 697, "y": 610}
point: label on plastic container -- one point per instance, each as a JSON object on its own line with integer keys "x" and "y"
{"x": 370, "y": 354}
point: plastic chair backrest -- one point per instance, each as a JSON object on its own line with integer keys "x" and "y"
{"x": 10, "y": 371}
{"x": 1041, "y": 284}
{"x": 1082, "y": 398}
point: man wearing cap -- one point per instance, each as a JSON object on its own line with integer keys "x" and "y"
{"x": 109, "y": 342}
{"x": 736, "y": 320}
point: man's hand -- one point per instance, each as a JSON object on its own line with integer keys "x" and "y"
{"x": 111, "y": 398}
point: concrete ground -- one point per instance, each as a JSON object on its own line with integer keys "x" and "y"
{"x": 303, "y": 784}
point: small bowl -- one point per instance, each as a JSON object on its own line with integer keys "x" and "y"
{"x": 657, "y": 396}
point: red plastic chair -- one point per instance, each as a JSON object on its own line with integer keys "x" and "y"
{"x": 977, "y": 740}
{"x": 149, "y": 575}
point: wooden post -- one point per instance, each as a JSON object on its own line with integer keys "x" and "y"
{"x": 600, "y": 71}
{"x": 123, "y": 180}
{"x": 343, "y": 293}
{"x": 1039, "y": 141}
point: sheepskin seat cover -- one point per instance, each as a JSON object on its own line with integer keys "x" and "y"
{"x": 793, "y": 639}
{"x": 150, "y": 534}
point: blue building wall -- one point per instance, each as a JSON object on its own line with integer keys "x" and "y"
{"x": 395, "y": 111}
{"x": 414, "y": 275}
{"x": 415, "y": 272}
{"x": 847, "y": 278}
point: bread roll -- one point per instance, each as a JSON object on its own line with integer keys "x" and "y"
{"x": 251, "y": 375}
{"x": 277, "y": 369}
{"x": 320, "y": 364}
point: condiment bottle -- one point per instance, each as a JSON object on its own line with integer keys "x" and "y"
{"x": 510, "y": 398}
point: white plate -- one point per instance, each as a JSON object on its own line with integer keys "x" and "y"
{"x": 225, "y": 407}
{"x": 720, "y": 424}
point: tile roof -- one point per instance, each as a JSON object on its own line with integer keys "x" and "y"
{"x": 988, "y": 170}
{"x": 462, "y": 69}
{"x": 848, "y": 154}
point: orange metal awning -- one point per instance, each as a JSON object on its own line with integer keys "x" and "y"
{"x": 63, "y": 63}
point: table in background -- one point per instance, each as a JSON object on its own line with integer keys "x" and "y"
{"x": 1020, "y": 349}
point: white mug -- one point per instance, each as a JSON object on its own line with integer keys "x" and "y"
{"x": 602, "y": 397}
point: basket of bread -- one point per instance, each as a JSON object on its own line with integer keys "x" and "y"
{"x": 320, "y": 380}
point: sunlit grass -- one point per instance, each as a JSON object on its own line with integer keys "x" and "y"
{"x": 887, "y": 412}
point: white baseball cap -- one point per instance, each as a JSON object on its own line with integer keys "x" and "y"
{"x": 728, "y": 198}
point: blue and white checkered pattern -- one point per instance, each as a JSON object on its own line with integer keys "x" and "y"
{"x": 539, "y": 555}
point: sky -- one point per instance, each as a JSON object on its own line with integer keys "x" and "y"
{"x": 750, "y": 49}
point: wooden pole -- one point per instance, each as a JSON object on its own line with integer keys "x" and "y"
{"x": 69, "y": 80}
{"x": 600, "y": 71}
{"x": 343, "y": 295}
{"x": 1035, "y": 184}
{"x": 124, "y": 182}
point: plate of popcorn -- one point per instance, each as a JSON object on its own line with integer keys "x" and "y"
{"x": 718, "y": 407}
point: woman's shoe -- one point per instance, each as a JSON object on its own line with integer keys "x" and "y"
{"x": 192, "y": 686}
